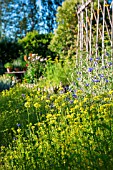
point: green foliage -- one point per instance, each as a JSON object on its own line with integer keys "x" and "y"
{"x": 1, "y": 68}
{"x": 36, "y": 43}
{"x": 56, "y": 131}
{"x": 35, "y": 68}
{"x": 9, "y": 50}
{"x": 60, "y": 72}
{"x": 18, "y": 63}
{"x": 5, "y": 82}
{"x": 8, "y": 65}
{"x": 70, "y": 129}
{"x": 23, "y": 65}
{"x": 10, "y": 117}
{"x": 64, "y": 40}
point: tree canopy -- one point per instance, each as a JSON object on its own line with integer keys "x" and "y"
{"x": 64, "y": 40}
{"x": 19, "y": 17}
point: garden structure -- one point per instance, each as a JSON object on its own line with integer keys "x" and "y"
{"x": 95, "y": 29}
{"x": 18, "y": 74}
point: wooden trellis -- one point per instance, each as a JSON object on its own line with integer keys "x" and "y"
{"x": 95, "y": 29}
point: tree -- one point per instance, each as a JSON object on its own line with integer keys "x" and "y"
{"x": 33, "y": 15}
{"x": 48, "y": 12}
{"x": 64, "y": 39}
{"x": 18, "y": 17}
{"x": 36, "y": 43}
{"x": 5, "y": 14}
{"x": 9, "y": 50}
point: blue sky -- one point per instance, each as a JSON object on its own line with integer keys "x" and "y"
{"x": 39, "y": 2}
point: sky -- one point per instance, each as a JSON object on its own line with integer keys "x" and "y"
{"x": 39, "y": 2}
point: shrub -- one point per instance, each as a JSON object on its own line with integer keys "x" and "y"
{"x": 36, "y": 43}
{"x": 18, "y": 63}
{"x": 5, "y": 82}
{"x": 35, "y": 68}
{"x": 8, "y": 65}
{"x": 60, "y": 72}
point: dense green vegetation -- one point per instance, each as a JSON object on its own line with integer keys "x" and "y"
{"x": 60, "y": 117}
{"x": 63, "y": 122}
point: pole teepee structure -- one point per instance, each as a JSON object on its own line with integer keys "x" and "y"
{"x": 95, "y": 29}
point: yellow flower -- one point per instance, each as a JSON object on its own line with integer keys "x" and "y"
{"x": 96, "y": 98}
{"x": 69, "y": 116}
{"x": 80, "y": 104}
{"x": 27, "y": 104}
{"x": 43, "y": 97}
{"x": 52, "y": 110}
{"x": 75, "y": 101}
{"x": 95, "y": 87}
{"x": 110, "y": 92}
{"x": 47, "y": 101}
{"x": 49, "y": 116}
{"x": 58, "y": 114}
{"x": 3, "y": 93}
{"x": 11, "y": 157}
{"x": 72, "y": 109}
{"x": 63, "y": 104}
{"x": 46, "y": 107}
{"x": 39, "y": 124}
{"x": 52, "y": 122}
{"x": 17, "y": 111}
{"x": 76, "y": 107}
{"x": 19, "y": 130}
{"x": 93, "y": 106}
{"x": 107, "y": 105}
{"x": 106, "y": 99}
{"x": 52, "y": 97}
{"x": 28, "y": 98}
{"x": 79, "y": 92}
{"x": 81, "y": 109}
{"x": 85, "y": 99}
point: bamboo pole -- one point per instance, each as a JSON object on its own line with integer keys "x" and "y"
{"x": 96, "y": 23}
{"x": 87, "y": 34}
{"x": 78, "y": 39}
{"x": 83, "y": 6}
{"x": 97, "y": 35}
{"x": 112, "y": 34}
{"x": 81, "y": 35}
{"x": 105, "y": 22}
{"x": 108, "y": 14}
{"x": 103, "y": 33}
{"x": 110, "y": 20}
{"x": 86, "y": 40}
{"x": 90, "y": 44}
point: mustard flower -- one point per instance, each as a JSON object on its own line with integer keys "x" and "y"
{"x": 49, "y": 116}
{"x": 85, "y": 99}
{"x": 63, "y": 104}
{"x": 106, "y": 99}
{"x": 37, "y": 105}
{"x": 27, "y": 104}
{"x": 110, "y": 92}
{"x": 96, "y": 98}
{"x": 69, "y": 116}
